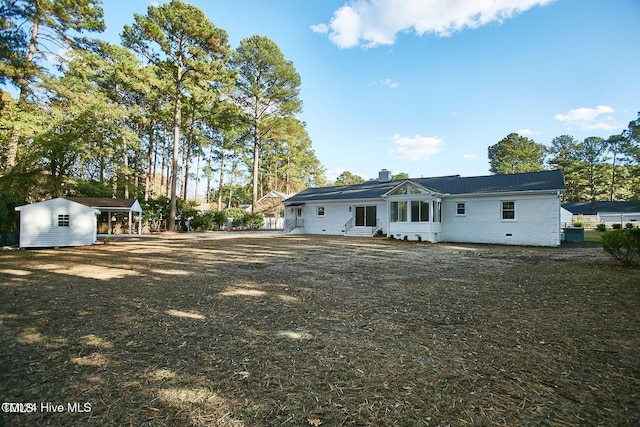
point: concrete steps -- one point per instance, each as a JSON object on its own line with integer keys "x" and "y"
{"x": 359, "y": 232}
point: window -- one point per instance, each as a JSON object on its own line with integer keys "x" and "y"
{"x": 398, "y": 211}
{"x": 461, "y": 209}
{"x": 320, "y": 211}
{"x": 299, "y": 211}
{"x": 509, "y": 210}
{"x": 63, "y": 220}
{"x": 419, "y": 211}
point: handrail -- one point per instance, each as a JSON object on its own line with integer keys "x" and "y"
{"x": 375, "y": 227}
{"x": 348, "y": 225}
{"x": 294, "y": 223}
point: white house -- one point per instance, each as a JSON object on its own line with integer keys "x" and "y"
{"x": 605, "y": 212}
{"x": 517, "y": 209}
{"x": 57, "y": 222}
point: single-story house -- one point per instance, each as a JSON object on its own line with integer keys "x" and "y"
{"x": 112, "y": 206}
{"x": 514, "y": 209}
{"x": 57, "y": 222}
{"x": 604, "y": 212}
{"x": 271, "y": 207}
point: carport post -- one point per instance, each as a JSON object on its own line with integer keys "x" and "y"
{"x": 130, "y": 219}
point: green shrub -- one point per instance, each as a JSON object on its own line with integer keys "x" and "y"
{"x": 202, "y": 221}
{"x": 601, "y": 227}
{"x": 577, "y": 223}
{"x": 628, "y": 226}
{"x": 220, "y": 219}
{"x": 253, "y": 221}
{"x": 622, "y": 245}
{"x": 237, "y": 215}
{"x": 616, "y": 226}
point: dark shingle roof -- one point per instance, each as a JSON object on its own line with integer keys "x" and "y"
{"x": 585, "y": 208}
{"x": 103, "y": 202}
{"x": 530, "y": 181}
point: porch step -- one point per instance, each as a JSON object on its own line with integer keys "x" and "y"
{"x": 359, "y": 232}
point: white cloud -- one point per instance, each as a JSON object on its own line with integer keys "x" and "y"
{"x": 386, "y": 82}
{"x": 334, "y": 173}
{"x": 372, "y": 23}
{"x": 526, "y": 132}
{"x": 416, "y": 148}
{"x": 320, "y": 28}
{"x": 589, "y": 118}
{"x": 470, "y": 156}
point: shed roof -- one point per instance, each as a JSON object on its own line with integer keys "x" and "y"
{"x": 108, "y": 203}
{"x": 529, "y": 181}
{"x": 586, "y": 208}
{"x": 56, "y": 202}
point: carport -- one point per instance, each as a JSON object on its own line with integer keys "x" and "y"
{"x": 112, "y": 206}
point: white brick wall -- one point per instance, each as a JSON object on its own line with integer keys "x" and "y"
{"x": 336, "y": 215}
{"x": 537, "y": 220}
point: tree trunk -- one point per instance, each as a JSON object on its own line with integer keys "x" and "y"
{"x": 164, "y": 157}
{"x": 185, "y": 162}
{"x": 197, "y": 176}
{"x": 221, "y": 180}
{"x": 256, "y": 165}
{"x": 613, "y": 177}
{"x": 177, "y": 115}
{"x": 209, "y": 163}
{"x": 150, "y": 160}
{"x": 177, "y": 119}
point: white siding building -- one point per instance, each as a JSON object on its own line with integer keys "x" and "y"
{"x": 57, "y": 222}
{"x": 518, "y": 209}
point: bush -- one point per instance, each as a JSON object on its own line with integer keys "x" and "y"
{"x": 220, "y": 219}
{"x": 622, "y": 245}
{"x": 616, "y": 226}
{"x": 601, "y": 227}
{"x": 253, "y": 221}
{"x": 628, "y": 226}
{"x": 237, "y": 215}
{"x": 202, "y": 222}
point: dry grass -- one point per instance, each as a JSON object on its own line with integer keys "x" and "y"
{"x": 319, "y": 331}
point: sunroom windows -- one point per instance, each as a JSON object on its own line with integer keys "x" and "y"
{"x": 409, "y": 211}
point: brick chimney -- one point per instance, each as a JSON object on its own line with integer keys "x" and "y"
{"x": 384, "y": 176}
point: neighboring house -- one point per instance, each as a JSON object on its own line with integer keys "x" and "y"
{"x": 272, "y": 209}
{"x": 518, "y": 209}
{"x": 113, "y": 206}
{"x": 57, "y": 222}
{"x": 607, "y": 212}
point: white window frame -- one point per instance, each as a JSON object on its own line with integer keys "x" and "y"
{"x": 63, "y": 220}
{"x": 503, "y": 210}
{"x": 320, "y": 211}
{"x": 464, "y": 208}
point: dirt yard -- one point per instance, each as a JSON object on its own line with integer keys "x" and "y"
{"x": 295, "y": 331}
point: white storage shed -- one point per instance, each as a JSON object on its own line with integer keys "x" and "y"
{"x": 57, "y": 222}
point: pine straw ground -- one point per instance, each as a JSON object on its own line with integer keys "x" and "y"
{"x": 294, "y": 331}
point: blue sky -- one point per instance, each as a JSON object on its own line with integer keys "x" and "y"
{"x": 426, "y": 86}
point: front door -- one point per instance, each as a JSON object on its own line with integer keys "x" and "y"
{"x": 366, "y": 216}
